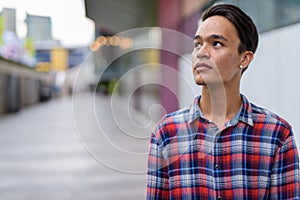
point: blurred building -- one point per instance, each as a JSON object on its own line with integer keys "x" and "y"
{"x": 52, "y": 56}
{"x": 39, "y": 29}
{"x": 9, "y": 19}
{"x": 11, "y": 46}
{"x": 36, "y": 67}
{"x": 149, "y": 47}
{"x": 274, "y": 70}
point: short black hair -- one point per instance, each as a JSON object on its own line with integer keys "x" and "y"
{"x": 244, "y": 25}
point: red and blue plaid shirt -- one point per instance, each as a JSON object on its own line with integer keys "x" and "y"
{"x": 253, "y": 157}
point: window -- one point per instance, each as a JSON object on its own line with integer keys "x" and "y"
{"x": 271, "y": 14}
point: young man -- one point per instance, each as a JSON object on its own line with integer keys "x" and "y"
{"x": 223, "y": 146}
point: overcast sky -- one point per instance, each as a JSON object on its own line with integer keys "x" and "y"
{"x": 69, "y": 23}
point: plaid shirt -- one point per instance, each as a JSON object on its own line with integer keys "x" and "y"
{"x": 253, "y": 157}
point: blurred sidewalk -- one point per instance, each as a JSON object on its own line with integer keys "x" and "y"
{"x": 43, "y": 155}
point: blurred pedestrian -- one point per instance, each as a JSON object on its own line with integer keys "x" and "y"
{"x": 223, "y": 146}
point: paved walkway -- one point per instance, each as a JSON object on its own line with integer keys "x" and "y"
{"x": 89, "y": 150}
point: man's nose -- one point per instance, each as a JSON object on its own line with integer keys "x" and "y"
{"x": 203, "y": 51}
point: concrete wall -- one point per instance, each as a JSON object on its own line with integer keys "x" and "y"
{"x": 19, "y": 86}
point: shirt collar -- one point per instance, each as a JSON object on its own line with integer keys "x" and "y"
{"x": 245, "y": 114}
{"x": 195, "y": 111}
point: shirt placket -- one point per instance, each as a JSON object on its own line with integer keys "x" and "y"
{"x": 214, "y": 132}
{"x": 217, "y": 166}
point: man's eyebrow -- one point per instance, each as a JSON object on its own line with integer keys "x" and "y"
{"x": 213, "y": 36}
{"x": 197, "y": 37}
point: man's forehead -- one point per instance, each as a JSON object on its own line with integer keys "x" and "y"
{"x": 216, "y": 25}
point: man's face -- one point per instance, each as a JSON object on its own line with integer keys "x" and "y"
{"x": 215, "y": 57}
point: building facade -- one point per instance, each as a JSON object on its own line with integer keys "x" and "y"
{"x": 270, "y": 81}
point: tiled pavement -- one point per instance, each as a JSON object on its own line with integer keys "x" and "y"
{"x": 61, "y": 150}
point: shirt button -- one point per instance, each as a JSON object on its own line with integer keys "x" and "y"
{"x": 219, "y": 198}
{"x": 217, "y": 166}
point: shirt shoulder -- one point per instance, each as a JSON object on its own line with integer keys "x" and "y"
{"x": 170, "y": 123}
{"x": 266, "y": 116}
{"x": 272, "y": 126}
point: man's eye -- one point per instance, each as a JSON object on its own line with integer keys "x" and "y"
{"x": 218, "y": 44}
{"x": 197, "y": 44}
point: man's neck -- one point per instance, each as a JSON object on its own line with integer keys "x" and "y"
{"x": 220, "y": 104}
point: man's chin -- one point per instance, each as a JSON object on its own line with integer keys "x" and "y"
{"x": 200, "y": 82}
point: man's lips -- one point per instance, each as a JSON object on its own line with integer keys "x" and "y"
{"x": 202, "y": 66}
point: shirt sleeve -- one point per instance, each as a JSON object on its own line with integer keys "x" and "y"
{"x": 158, "y": 179}
{"x": 285, "y": 179}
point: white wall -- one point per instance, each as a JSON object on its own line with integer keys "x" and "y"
{"x": 272, "y": 80}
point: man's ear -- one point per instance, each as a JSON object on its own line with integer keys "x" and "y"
{"x": 247, "y": 58}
